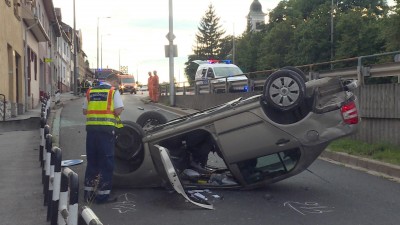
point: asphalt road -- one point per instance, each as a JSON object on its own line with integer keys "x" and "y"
{"x": 330, "y": 194}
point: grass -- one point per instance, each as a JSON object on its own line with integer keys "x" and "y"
{"x": 380, "y": 151}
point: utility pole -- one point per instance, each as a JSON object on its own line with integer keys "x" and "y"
{"x": 75, "y": 54}
{"x": 171, "y": 38}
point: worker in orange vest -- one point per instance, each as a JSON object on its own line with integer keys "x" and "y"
{"x": 156, "y": 86}
{"x": 150, "y": 85}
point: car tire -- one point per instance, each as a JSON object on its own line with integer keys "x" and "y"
{"x": 284, "y": 90}
{"x": 127, "y": 161}
{"x": 297, "y": 70}
{"x": 150, "y": 119}
{"x": 128, "y": 144}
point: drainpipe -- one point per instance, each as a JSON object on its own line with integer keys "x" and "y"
{"x": 26, "y": 60}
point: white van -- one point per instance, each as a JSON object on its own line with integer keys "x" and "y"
{"x": 220, "y": 72}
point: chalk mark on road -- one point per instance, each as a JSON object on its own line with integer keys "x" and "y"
{"x": 126, "y": 205}
{"x": 308, "y": 207}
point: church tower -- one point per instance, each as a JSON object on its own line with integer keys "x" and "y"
{"x": 256, "y": 16}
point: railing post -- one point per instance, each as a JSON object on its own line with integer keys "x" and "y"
{"x": 89, "y": 216}
{"x": 68, "y": 208}
{"x": 227, "y": 85}
{"x": 49, "y": 145}
{"x": 54, "y": 185}
{"x": 63, "y": 204}
{"x": 48, "y": 104}
{"x": 43, "y": 160}
{"x": 42, "y": 140}
{"x": 73, "y": 199}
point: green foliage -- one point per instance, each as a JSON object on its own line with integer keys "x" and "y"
{"x": 381, "y": 151}
{"x": 299, "y": 33}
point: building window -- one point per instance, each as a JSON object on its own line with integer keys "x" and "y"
{"x": 16, "y": 8}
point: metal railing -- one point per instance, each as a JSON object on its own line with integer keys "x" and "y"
{"x": 60, "y": 184}
{"x": 350, "y": 68}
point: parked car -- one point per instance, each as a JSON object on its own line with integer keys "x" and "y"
{"x": 256, "y": 141}
{"x": 221, "y": 72}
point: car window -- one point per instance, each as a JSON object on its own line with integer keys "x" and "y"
{"x": 128, "y": 80}
{"x": 269, "y": 166}
{"x": 227, "y": 71}
{"x": 210, "y": 73}
{"x": 203, "y": 73}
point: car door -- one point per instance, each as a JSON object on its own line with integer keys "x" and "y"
{"x": 171, "y": 175}
{"x": 245, "y": 135}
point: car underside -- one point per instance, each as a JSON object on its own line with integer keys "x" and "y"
{"x": 244, "y": 143}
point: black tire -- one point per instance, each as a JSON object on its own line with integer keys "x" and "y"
{"x": 128, "y": 144}
{"x": 121, "y": 92}
{"x": 129, "y": 153}
{"x": 150, "y": 119}
{"x": 284, "y": 90}
{"x": 297, "y": 70}
{"x": 131, "y": 92}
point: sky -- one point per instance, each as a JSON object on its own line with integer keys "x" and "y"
{"x": 134, "y": 35}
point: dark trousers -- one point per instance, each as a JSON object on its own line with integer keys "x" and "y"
{"x": 100, "y": 164}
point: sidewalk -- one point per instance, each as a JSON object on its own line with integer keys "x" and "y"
{"x": 21, "y": 188}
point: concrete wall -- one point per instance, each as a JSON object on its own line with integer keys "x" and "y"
{"x": 379, "y": 108}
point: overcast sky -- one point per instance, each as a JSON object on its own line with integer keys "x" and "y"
{"x": 137, "y": 30}
{"x": 134, "y": 36}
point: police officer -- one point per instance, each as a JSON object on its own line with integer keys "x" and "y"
{"x": 103, "y": 106}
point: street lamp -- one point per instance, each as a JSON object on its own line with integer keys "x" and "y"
{"x": 102, "y": 49}
{"x": 98, "y": 21}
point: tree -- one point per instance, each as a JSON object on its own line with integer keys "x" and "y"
{"x": 209, "y": 44}
{"x": 209, "y": 35}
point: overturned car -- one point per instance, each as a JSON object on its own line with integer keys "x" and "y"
{"x": 244, "y": 143}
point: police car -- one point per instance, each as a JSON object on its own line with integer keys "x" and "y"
{"x": 219, "y": 73}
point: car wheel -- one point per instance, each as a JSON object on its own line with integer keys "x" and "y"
{"x": 121, "y": 92}
{"x": 284, "y": 90}
{"x": 150, "y": 119}
{"x": 128, "y": 144}
{"x": 131, "y": 92}
{"x": 297, "y": 70}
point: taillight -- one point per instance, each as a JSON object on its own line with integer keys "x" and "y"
{"x": 349, "y": 113}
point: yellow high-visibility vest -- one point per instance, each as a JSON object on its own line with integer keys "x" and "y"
{"x": 100, "y": 109}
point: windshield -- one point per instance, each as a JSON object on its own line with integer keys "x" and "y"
{"x": 227, "y": 71}
{"x": 128, "y": 80}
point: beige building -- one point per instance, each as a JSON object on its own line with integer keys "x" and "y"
{"x": 12, "y": 60}
{"x": 27, "y": 35}
{"x": 35, "y": 55}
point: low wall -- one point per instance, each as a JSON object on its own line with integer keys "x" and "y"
{"x": 379, "y": 110}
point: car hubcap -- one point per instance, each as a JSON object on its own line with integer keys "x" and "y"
{"x": 284, "y": 91}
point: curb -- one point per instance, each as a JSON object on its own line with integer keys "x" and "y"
{"x": 386, "y": 169}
